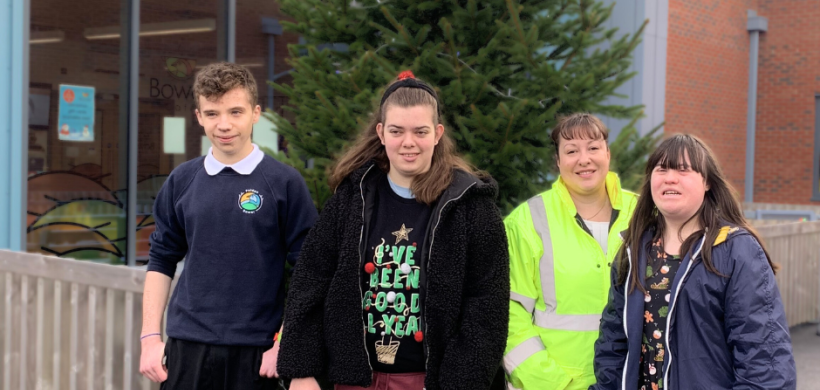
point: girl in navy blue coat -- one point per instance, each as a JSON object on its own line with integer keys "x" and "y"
{"x": 693, "y": 303}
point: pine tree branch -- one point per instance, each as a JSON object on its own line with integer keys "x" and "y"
{"x": 484, "y": 85}
{"x": 383, "y": 63}
{"x": 324, "y": 101}
{"x": 402, "y": 31}
{"x": 569, "y": 59}
{"x": 353, "y": 83}
{"x": 515, "y": 19}
{"x": 448, "y": 33}
{"x": 506, "y": 133}
{"x": 492, "y": 34}
{"x": 514, "y": 15}
{"x": 491, "y": 87}
{"x": 560, "y": 12}
{"x": 584, "y": 16}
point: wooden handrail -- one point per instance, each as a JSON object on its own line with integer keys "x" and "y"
{"x": 72, "y": 271}
{"x": 788, "y": 229}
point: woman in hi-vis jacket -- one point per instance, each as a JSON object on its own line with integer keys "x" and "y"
{"x": 561, "y": 245}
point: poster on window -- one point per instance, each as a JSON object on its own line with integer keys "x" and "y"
{"x": 76, "y": 115}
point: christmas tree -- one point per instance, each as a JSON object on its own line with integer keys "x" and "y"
{"x": 504, "y": 71}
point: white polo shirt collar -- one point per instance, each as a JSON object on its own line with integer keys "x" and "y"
{"x": 243, "y": 167}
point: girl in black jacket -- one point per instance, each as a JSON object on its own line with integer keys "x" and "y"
{"x": 403, "y": 283}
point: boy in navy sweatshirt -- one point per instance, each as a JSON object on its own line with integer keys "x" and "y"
{"x": 235, "y": 215}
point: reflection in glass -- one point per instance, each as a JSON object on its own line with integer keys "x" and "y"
{"x": 76, "y": 184}
{"x": 77, "y": 188}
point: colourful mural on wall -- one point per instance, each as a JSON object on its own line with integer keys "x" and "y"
{"x": 72, "y": 214}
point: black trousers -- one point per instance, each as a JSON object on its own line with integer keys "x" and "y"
{"x": 196, "y": 366}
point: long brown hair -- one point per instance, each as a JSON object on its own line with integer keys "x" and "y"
{"x": 720, "y": 204}
{"x": 428, "y": 186}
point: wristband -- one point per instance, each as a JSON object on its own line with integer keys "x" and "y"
{"x": 277, "y": 337}
{"x": 149, "y": 335}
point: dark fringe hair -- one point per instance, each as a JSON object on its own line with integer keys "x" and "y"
{"x": 580, "y": 125}
{"x": 428, "y": 186}
{"x": 719, "y": 204}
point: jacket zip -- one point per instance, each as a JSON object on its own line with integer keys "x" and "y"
{"x": 604, "y": 258}
{"x": 626, "y": 303}
{"x": 672, "y": 309}
{"x": 361, "y": 292}
{"x": 427, "y": 266}
{"x": 583, "y": 226}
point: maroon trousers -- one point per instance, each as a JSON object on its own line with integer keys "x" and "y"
{"x": 382, "y": 381}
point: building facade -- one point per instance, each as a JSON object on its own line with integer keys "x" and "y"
{"x": 693, "y": 76}
{"x": 707, "y": 87}
{"x": 109, "y": 108}
{"x": 98, "y": 108}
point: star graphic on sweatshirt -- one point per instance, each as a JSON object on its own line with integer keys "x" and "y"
{"x": 402, "y": 234}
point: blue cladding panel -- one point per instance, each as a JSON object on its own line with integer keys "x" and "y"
{"x": 14, "y": 27}
{"x": 648, "y": 87}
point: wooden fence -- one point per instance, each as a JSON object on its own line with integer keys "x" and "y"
{"x": 796, "y": 247}
{"x": 67, "y": 324}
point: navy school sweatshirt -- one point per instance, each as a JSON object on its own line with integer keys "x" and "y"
{"x": 235, "y": 232}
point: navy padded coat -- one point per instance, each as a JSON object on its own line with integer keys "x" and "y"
{"x": 725, "y": 332}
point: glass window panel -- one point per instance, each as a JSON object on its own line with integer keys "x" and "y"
{"x": 77, "y": 177}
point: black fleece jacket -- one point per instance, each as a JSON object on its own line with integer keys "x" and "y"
{"x": 465, "y": 289}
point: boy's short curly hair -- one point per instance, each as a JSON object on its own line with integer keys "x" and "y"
{"x": 215, "y": 80}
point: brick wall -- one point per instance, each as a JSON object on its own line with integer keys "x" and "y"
{"x": 788, "y": 79}
{"x": 707, "y": 85}
{"x": 707, "y": 77}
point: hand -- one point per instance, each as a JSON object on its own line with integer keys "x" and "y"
{"x": 268, "y": 368}
{"x": 304, "y": 384}
{"x": 151, "y": 365}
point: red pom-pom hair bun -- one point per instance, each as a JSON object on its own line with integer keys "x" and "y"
{"x": 406, "y": 75}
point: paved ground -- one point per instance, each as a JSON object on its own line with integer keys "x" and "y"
{"x": 806, "y": 345}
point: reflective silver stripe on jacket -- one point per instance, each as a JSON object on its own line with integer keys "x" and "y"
{"x": 549, "y": 319}
{"x": 522, "y": 352}
{"x": 527, "y": 302}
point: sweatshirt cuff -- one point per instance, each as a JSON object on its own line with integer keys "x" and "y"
{"x": 162, "y": 267}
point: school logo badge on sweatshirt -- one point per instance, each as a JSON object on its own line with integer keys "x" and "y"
{"x": 250, "y": 201}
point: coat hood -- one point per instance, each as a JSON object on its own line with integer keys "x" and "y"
{"x": 464, "y": 183}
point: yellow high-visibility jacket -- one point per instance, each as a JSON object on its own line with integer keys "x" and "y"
{"x": 559, "y": 285}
